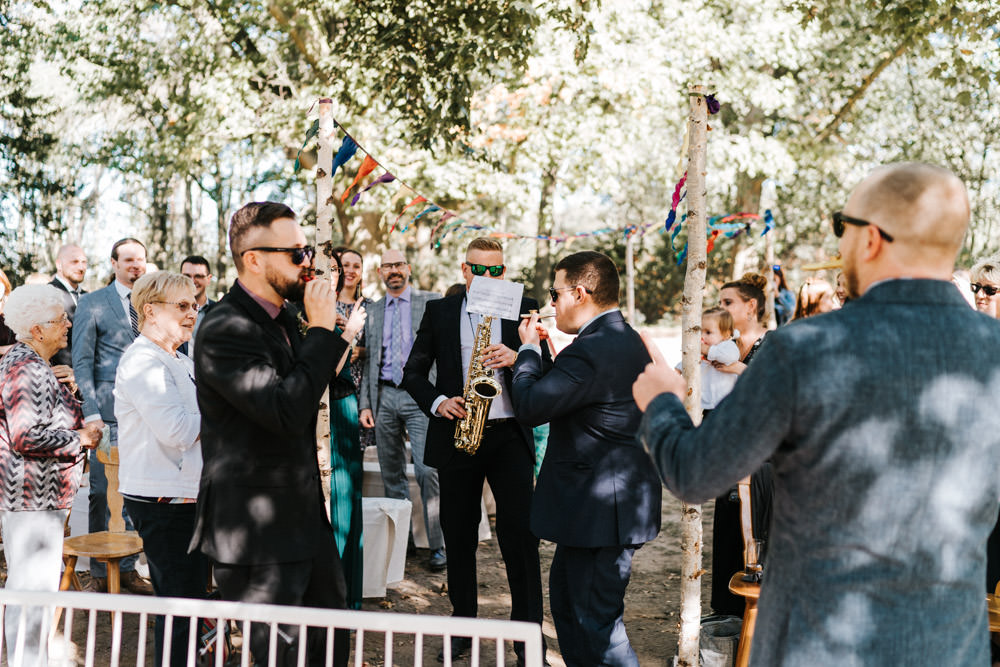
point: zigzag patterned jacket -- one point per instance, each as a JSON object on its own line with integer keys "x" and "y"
{"x": 40, "y": 455}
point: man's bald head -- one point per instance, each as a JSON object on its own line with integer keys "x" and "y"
{"x": 71, "y": 264}
{"x": 923, "y": 207}
{"x": 924, "y": 210}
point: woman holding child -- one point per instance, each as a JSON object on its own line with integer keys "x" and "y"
{"x": 745, "y": 301}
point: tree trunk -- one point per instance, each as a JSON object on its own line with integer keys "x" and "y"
{"x": 691, "y": 308}
{"x": 543, "y": 247}
{"x": 748, "y": 190}
{"x": 324, "y": 256}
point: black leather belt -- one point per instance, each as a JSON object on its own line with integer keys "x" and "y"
{"x": 388, "y": 383}
{"x": 490, "y": 423}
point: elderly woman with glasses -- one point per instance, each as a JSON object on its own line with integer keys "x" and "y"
{"x": 41, "y": 459}
{"x": 159, "y": 436}
{"x": 985, "y": 285}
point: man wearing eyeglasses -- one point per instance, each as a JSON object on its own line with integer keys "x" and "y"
{"x": 597, "y": 497}
{"x": 384, "y": 405}
{"x": 261, "y": 515}
{"x": 103, "y": 326}
{"x": 506, "y": 454}
{"x": 880, "y": 422}
{"x": 198, "y": 270}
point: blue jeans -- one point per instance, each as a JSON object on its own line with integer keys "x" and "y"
{"x": 166, "y": 532}
{"x": 98, "y": 513}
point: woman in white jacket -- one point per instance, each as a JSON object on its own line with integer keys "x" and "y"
{"x": 159, "y": 443}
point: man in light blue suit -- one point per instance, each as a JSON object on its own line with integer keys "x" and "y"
{"x": 881, "y": 424}
{"x": 104, "y": 325}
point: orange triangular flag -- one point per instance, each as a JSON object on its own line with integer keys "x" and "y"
{"x": 366, "y": 168}
{"x": 416, "y": 200}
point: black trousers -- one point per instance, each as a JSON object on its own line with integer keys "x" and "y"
{"x": 316, "y": 582}
{"x": 587, "y": 596}
{"x": 505, "y": 461}
{"x": 166, "y": 532}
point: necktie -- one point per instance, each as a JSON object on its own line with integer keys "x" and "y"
{"x": 397, "y": 344}
{"x": 290, "y": 324}
{"x": 133, "y": 316}
{"x": 76, "y": 295}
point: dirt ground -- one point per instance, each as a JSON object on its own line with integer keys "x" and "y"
{"x": 652, "y": 604}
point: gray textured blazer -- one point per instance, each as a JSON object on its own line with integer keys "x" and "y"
{"x": 101, "y": 332}
{"x": 368, "y": 397}
{"x": 882, "y": 423}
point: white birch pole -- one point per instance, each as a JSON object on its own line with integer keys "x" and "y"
{"x": 324, "y": 235}
{"x": 691, "y": 307}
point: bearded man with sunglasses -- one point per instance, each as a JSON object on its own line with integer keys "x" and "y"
{"x": 261, "y": 515}
{"x": 880, "y": 423}
{"x": 386, "y": 407}
{"x": 506, "y": 454}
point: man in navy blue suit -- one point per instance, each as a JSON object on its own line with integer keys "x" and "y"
{"x": 598, "y": 495}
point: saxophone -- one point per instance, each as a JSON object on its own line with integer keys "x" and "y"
{"x": 480, "y": 390}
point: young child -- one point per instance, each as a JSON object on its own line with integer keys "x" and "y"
{"x": 717, "y": 347}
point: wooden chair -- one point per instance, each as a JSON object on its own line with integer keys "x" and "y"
{"x": 993, "y": 608}
{"x": 749, "y": 591}
{"x": 109, "y": 546}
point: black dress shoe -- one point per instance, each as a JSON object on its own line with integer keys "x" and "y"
{"x": 459, "y": 647}
{"x": 438, "y": 561}
{"x": 519, "y": 652}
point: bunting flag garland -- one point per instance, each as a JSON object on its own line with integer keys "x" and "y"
{"x": 348, "y": 148}
{"x": 768, "y": 222}
{"x": 729, "y": 226}
{"x": 366, "y": 168}
{"x": 674, "y": 203}
{"x": 711, "y": 241}
{"x": 384, "y": 178}
{"x": 310, "y": 133}
{"x": 416, "y": 200}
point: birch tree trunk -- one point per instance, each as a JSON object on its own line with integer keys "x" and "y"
{"x": 324, "y": 245}
{"x": 691, "y": 308}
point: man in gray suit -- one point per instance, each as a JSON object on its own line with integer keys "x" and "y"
{"x": 880, "y": 420}
{"x": 389, "y": 332}
{"x": 105, "y": 324}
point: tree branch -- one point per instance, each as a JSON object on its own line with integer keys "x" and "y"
{"x": 860, "y": 91}
{"x": 281, "y": 17}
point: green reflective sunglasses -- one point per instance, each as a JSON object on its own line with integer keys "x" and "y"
{"x": 480, "y": 269}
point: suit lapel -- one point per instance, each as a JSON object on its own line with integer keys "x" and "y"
{"x": 260, "y": 316}
{"x": 116, "y": 310}
{"x": 453, "y": 325}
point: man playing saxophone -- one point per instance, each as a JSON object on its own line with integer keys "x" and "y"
{"x": 504, "y": 455}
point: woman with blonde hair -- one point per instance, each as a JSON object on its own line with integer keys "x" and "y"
{"x": 985, "y": 285}
{"x": 159, "y": 444}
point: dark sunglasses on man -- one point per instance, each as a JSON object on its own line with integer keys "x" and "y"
{"x": 554, "y": 291}
{"x": 480, "y": 269}
{"x": 839, "y": 220}
{"x": 988, "y": 290}
{"x": 298, "y": 255}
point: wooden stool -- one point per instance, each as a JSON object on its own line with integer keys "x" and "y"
{"x": 750, "y": 591}
{"x": 108, "y": 546}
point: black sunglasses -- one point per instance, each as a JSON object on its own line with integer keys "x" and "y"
{"x": 554, "y": 292}
{"x": 298, "y": 255}
{"x": 480, "y": 269}
{"x": 988, "y": 290}
{"x": 838, "y": 225}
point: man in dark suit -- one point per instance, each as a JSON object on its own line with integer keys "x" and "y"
{"x": 880, "y": 421}
{"x": 598, "y": 496}
{"x": 103, "y": 326}
{"x": 261, "y": 514}
{"x": 71, "y": 267}
{"x": 505, "y": 456}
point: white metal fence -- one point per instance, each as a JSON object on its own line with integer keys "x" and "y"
{"x": 104, "y": 642}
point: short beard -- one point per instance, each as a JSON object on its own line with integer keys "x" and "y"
{"x": 290, "y": 290}
{"x": 851, "y": 282}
